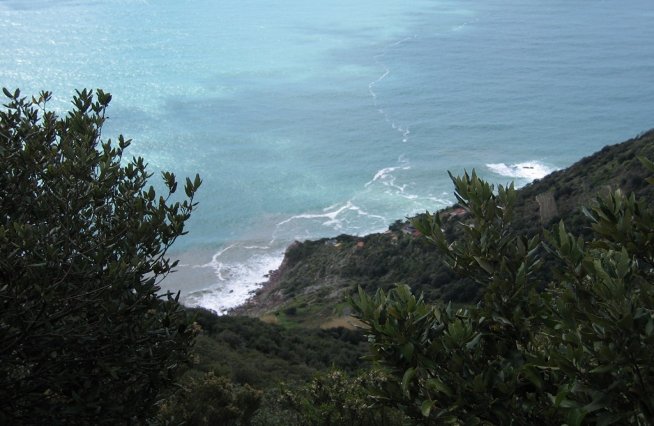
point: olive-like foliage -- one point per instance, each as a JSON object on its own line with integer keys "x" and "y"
{"x": 86, "y": 337}
{"x": 574, "y": 350}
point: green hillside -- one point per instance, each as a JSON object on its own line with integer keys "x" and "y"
{"x": 282, "y": 367}
{"x": 316, "y": 277}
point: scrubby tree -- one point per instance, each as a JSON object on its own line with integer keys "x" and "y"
{"x": 211, "y": 400}
{"x": 85, "y": 335}
{"x": 577, "y": 350}
{"x": 335, "y": 398}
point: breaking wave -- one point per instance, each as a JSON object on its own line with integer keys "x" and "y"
{"x": 528, "y": 170}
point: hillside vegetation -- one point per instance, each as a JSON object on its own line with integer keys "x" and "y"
{"x": 317, "y": 276}
{"x": 575, "y": 349}
{"x": 85, "y": 335}
{"x": 435, "y": 363}
{"x": 562, "y": 331}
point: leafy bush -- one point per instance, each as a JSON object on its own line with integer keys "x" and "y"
{"x": 578, "y": 352}
{"x": 85, "y": 338}
{"x": 330, "y": 399}
{"x": 212, "y": 400}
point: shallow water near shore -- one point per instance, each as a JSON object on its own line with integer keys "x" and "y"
{"x": 307, "y": 120}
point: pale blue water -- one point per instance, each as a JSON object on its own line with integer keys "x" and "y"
{"x": 310, "y": 119}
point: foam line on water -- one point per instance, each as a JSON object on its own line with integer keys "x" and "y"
{"x": 460, "y": 27}
{"x": 388, "y": 179}
{"x": 215, "y": 264}
{"x": 333, "y": 217}
{"x": 383, "y": 174}
{"x": 403, "y": 130}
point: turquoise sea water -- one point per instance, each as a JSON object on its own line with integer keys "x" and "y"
{"x": 310, "y": 119}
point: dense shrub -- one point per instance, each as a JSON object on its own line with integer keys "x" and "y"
{"x": 331, "y": 398}
{"x": 85, "y": 337}
{"x": 578, "y": 352}
{"x": 211, "y": 400}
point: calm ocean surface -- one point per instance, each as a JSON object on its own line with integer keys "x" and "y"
{"x": 311, "y": 119}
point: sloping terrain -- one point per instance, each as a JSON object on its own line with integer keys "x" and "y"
{"x": 312, "y": 284}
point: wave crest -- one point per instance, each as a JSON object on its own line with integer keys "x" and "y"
{"x": 528, "y": 170}
{"x": 238, "y": 271}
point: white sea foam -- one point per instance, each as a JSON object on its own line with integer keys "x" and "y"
{"x": 237, "y": 276}
{"x": 528, "y": 170}
{"x": 460, "y": 27}
{"x": 337, "y": 217}
{"x": 385, "y": 175}
{"x": 330, "y": 214}
{"x": 403, "y": 130}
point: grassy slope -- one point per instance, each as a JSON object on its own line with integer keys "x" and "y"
{"x": 316, "y": 277}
